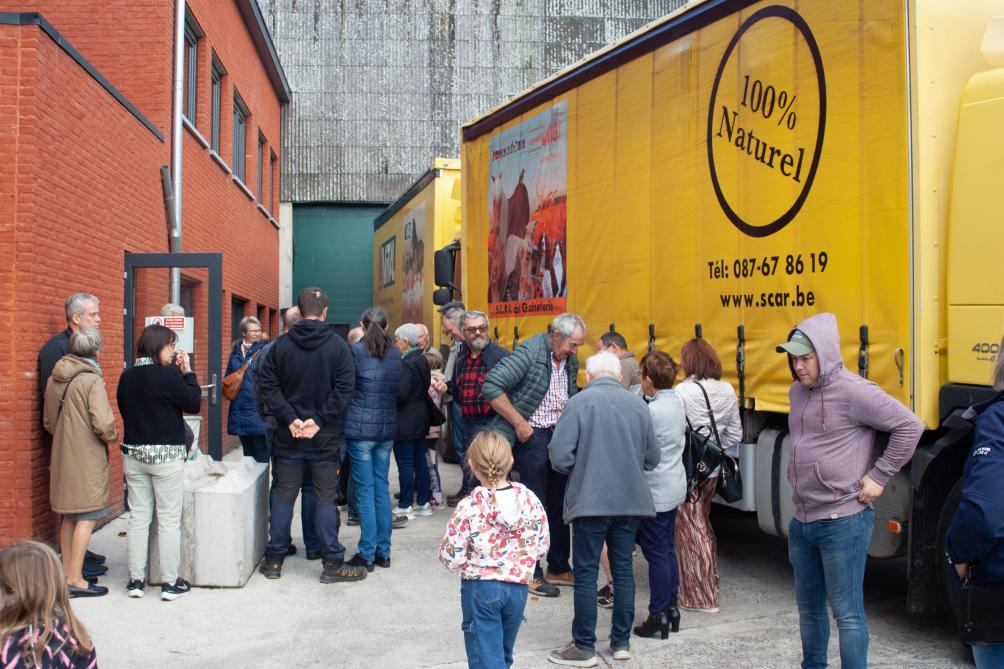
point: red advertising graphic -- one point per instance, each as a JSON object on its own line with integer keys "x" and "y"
{"x": 527, "y": 206}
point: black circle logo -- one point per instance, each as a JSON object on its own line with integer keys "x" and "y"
{"x": 761, "y": 126}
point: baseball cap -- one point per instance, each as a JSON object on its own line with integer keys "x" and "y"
{"x": 797, "y": 344}
{"x": 455, "y": 304}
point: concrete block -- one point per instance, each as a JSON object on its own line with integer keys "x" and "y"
{"x": 223, "y": 523}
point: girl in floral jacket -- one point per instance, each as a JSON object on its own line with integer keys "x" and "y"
{"x": 494, "y": 540}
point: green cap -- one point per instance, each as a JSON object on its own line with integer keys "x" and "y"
{"x": 797, "y": 344}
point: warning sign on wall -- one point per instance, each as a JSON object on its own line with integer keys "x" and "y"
{"x": 183, "y": 326}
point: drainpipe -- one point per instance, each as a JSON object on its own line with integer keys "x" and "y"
{"x": 179, "y": 85}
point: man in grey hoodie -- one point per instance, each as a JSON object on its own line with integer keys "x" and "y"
{"x": 833, "y": 418}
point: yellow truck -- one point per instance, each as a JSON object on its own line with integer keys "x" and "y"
{"x": 405, "y": 236}
{"x": 737, "y": 166}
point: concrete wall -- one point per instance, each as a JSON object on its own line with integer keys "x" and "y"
{"x": 381, "y": 87}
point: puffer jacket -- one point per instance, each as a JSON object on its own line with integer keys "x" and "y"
{"x": 372, "y": 411}
{"x": 977, "y": 532}
{"x": 78, "y": 475}
{"x": 525, "y": 376}
{"x": 243, "y": 418}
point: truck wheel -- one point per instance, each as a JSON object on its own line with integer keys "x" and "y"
{"x": 948, "y": 581}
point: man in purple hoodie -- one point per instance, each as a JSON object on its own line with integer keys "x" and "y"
{"x": 833, "y": 418}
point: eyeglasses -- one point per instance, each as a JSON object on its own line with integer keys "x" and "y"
{"x": 481, "y": 329}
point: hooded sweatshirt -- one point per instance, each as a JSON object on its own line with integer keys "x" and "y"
{"x": 833, "y": 426}
{"x": 496, "y": 535}
{"x": 307, "y": 374}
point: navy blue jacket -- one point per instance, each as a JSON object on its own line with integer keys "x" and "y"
{"x": 243, "y": 418}
{"x": 977, "y": 533}
{"x": 372, "y": 411}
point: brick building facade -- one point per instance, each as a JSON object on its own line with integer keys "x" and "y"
{"x": 85, "y": 126}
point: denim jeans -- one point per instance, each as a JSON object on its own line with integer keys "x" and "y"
{"x": 457, "y": 430}
{"x": 412, "y": 472}
{"x": 324, "y": 477}
{"x": 472, "y": 427}
{"x": 828, "y": 557}
{"x": 255, "y": 446}
{"x": 307, "y": 515}
{"x": 588, "y": 536}
{"x": 989, "y": 655}
{"x": 370, "y": 462}
{"x": 655, "y": 537}
{"x": 492, "y": 613}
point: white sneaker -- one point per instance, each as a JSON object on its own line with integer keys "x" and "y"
{"x": 424, "y": 510}
{"x": 621, "y": 652}
{"x": 406, "y": 512}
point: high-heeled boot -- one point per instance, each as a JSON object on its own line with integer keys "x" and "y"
{"x": 656, "y": 623}
{"x": 673, "y": 615}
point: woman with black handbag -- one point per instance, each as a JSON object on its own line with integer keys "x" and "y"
{"x": 712, "y": 409}
{"x": 974, "y": 543}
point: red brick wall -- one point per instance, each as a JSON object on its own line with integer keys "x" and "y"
{"x": 80, "y": 186}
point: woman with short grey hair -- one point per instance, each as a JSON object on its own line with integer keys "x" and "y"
{"x": 80, "y": 419}
{"x": 243, "y": 419}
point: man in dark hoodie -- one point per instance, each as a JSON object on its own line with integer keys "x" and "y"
{"x": 833, "y": 418}
{"x": 305, "y": 382}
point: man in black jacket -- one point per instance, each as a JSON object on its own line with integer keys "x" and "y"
{"x": 306, "y": 381}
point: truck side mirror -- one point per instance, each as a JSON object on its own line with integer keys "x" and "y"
{"x": 441, "y": 296}
{"x": 444, "y": 260}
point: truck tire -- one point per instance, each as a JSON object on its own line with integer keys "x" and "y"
{"x": 948, "y": 581}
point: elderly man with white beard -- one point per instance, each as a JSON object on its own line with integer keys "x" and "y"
{"x": 477, "y": 355}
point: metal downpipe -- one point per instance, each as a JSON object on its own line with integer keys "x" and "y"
{"x": 179, "y": 85}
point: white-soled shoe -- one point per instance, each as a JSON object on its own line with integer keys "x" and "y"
{"x": 424, "y": 510}
{"x": 405, "y": 512}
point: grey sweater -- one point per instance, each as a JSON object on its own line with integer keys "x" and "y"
{"x": 605, "y": 442}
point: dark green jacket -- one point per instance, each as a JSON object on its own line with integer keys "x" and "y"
{"x": 525, "y": 376}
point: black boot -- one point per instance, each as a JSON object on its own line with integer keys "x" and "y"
{"x": 656, "y": 623}
{"x": 673, "y": 615}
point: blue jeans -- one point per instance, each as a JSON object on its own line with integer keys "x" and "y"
{"x": 828, "y": 557}
{"x": 307, "y": 519}
{"x": 588, "y": 536}
{"x": 492, "y": 613}
{"x": 655, "y": 537}
{"x": 369, "y": 464}
{"x": 412, "y": 472}
{"x": 324, "y": 478}
{"x": 989, "y": 656}
{"x": 459, "y": 444}
{"x": 471, "y": 427}
{"x": 256, "y": 446}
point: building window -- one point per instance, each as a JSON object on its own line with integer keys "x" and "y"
{"x": 190, "y": 68}
{"x": 218, "y": 74}
{"x": 273, "y": 166}
{"x": 261, "y": 158}
{"x": 236, "y": 316}
{"x": 188, "y": 296}
{"x": 240, "y": 130}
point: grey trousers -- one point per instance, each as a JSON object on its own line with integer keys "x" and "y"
{"x": 165, "y": 485}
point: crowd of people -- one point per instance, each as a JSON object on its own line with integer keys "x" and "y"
{"x": 559, "y": 482}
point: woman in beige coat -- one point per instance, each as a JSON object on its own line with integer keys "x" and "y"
{"x": 80, "y": 419}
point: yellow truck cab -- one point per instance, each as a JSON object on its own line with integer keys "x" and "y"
{"x": 738, "y": 166}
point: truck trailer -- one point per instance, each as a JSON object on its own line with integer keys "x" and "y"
{"x": 738, "y": 166}
{"x": 405, "y": 238}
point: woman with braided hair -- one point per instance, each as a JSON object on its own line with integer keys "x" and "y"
{"x": 494, "y": 539}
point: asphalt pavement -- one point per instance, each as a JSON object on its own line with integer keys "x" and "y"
{"x": 409, "y": 615}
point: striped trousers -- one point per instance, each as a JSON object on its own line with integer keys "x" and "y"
{"x": 697, "y": 551}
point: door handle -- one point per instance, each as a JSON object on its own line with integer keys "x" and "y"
{"x": 210, "y": 390}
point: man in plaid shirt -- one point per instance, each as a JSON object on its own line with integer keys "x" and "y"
{"x": 477, "y": 355}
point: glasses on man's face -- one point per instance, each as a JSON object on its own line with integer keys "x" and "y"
{"x": 481, "y": 329}
{"x": 254, "y": 332}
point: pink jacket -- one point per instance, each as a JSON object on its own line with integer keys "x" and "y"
{"x": 496, "y": 535}
{"x": 833, "y": 428}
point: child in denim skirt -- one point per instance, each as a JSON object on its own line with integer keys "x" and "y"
{"x": 494, "y": 539}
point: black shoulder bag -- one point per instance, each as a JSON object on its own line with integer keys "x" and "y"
{"x": 701, "y": 455}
